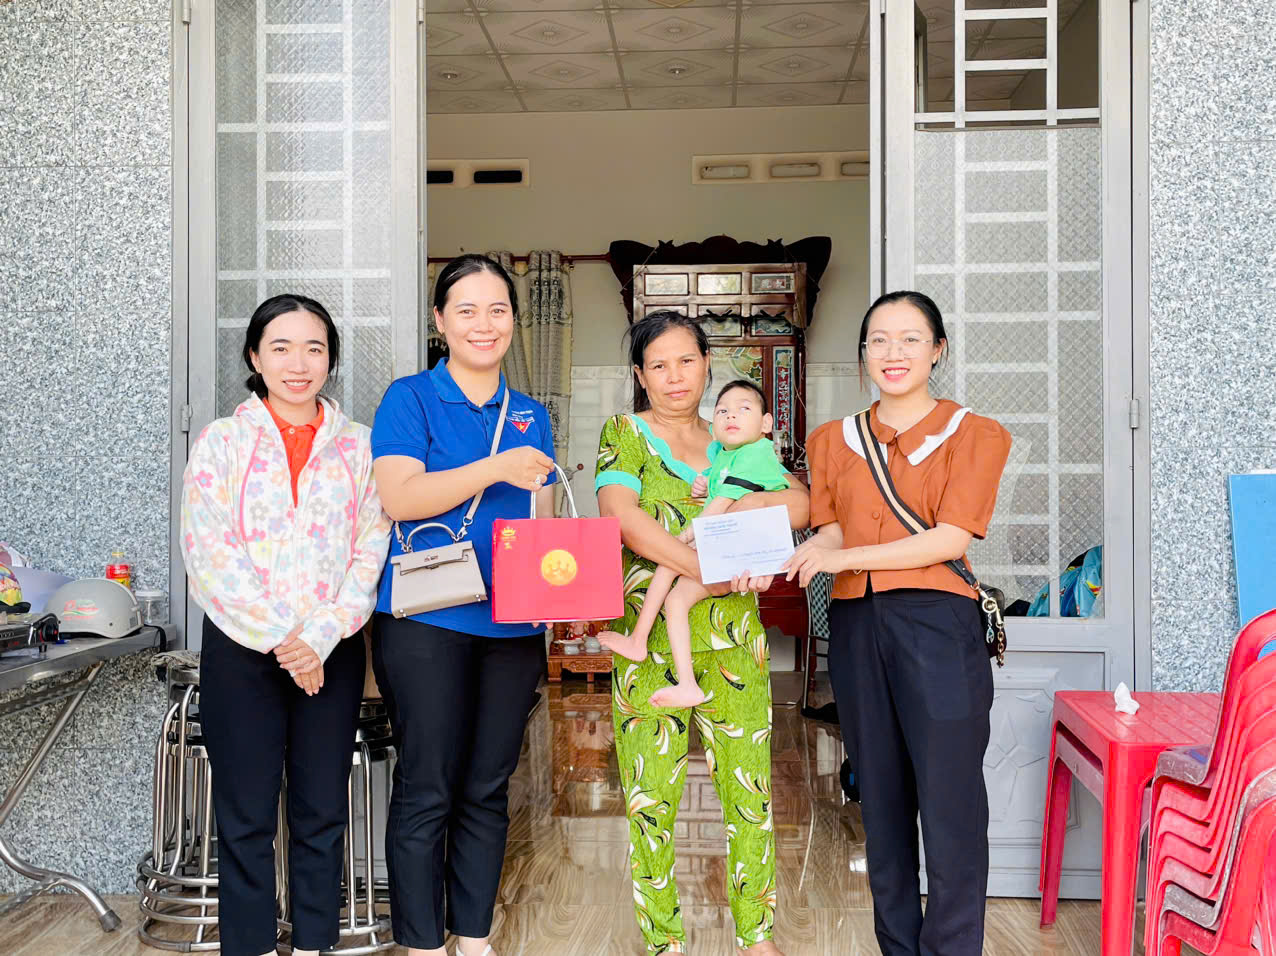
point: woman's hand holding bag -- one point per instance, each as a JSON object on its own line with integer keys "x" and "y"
{"x": 524, "y": 467}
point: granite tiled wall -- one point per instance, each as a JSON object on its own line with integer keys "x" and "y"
{"x": 85, "y": 329}
{"x": 1213, "y": 312}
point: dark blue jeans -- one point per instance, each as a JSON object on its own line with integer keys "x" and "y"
{"x": 914, "y": 687}
{"x": 458, "y": 704}
{"x": 256, "y": 722}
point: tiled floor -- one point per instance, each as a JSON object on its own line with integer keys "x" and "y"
{"x": 566, "y": 889}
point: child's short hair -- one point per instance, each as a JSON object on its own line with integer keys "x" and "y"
{"x": 748, "y": 383}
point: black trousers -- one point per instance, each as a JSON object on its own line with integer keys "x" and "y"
{"x": 914, "y": 687}
{"x": 256, "y": 722}
{"x": 458, "y": 704}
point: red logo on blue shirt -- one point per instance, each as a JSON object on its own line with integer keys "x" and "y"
{"x": 521, "y": 420}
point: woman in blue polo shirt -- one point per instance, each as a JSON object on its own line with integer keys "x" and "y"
{"x": 458, "y": 686}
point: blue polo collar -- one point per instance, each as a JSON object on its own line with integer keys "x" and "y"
{"x": 448, "y": 391}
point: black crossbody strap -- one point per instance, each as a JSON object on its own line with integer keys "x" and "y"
{"x": 876, "y": 458}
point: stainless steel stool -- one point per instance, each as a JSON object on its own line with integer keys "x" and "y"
{"x": 365, "y": 922}
{"x": 177, "y": 879}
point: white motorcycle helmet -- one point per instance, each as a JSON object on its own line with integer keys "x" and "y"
{"x": 95, "y": 606}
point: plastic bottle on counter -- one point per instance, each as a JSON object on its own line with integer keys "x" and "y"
{"x": 119, "y": 569}
{"x": 153, "y": 604}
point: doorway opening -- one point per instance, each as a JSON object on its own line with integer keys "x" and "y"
{"x": 635, "y": 121}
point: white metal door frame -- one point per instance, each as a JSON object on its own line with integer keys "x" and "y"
{"x": 1121, "y": 637}
{"x": 892, "y": 244}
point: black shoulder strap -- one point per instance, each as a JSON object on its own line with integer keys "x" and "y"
{"x": 876, "y": 458}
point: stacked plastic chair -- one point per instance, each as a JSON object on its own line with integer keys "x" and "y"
{"x": 1213, "y": 815}
{"x": 1265, "y": 919}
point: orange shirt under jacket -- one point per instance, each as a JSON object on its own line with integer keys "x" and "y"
{"x": 298, "y": 441}
{"x": 947, "y": 468}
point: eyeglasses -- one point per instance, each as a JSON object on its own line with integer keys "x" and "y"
{"x": 910, "y": 346}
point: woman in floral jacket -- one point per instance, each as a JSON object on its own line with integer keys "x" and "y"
{"x": 284, "y": 539}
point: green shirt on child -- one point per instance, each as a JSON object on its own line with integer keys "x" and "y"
{"x": 734, "y": 472}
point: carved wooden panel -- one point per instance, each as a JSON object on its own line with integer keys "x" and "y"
{"x": 754, "y": 315}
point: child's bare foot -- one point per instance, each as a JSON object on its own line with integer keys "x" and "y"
{"x": 626, "y": 645}
{"x": 679, "y": 695}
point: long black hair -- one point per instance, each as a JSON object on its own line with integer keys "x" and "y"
{"x": 919, "y": 301}
{"x": 649, "y": 328}
{"x": 272, "y": 309}
{"x": 468, "y": 265}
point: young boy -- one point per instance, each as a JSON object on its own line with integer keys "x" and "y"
{"x": 746, "y": 463}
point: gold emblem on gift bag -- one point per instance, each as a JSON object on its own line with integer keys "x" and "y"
{"x": 558, "y": 567}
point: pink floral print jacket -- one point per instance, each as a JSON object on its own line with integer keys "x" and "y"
{"x": 260, "y": 567}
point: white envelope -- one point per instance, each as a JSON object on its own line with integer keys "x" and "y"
{"x": 757, "y": 541}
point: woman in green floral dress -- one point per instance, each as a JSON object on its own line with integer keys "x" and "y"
{"x": 647, "y": 462}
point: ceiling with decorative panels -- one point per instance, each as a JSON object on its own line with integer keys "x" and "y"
{"x": 509, "y": 56}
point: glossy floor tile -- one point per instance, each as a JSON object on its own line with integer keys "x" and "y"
{"x": 566, "y": 889}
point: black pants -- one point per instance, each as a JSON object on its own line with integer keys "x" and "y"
{"x": 459, "y": 705}
{"x": 256, "y": 722}
{"x": 914, "y": 687}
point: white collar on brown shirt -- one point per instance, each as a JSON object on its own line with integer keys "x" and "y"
{"x": 924, "y": 437}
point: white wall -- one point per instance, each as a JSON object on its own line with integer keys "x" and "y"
{"x": 597, "y": 177}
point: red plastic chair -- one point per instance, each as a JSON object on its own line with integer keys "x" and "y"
{"x": 1190, "y": 847}
{"x": 1245, "y": 650}
{"x": 1192, "y": 825}
{"x": 1194, "y": 796}
{"x": 1233, "y": 913}
{"x": 1244, "y": 702}
{"x": 1205, "y": 808}
{"x": 1249, "y": 643}
{"x": 1191, "y": 879}
{"x": 1266, "y": 916}
{"x": 1199, "y": 815}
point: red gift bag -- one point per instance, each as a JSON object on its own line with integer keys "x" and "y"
{"x": 556, "y": 569}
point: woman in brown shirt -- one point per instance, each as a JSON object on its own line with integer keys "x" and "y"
{"x": 907, "y": 656}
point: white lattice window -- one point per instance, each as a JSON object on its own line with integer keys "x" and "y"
{"x": 303, "y": 179}
{"x": 1007, "y": 238}
{"x": 1002, "y": 61}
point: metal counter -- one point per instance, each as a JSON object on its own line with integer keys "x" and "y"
{"x": 27, "y": 674}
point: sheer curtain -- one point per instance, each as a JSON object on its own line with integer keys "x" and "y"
{"x": 539, "y": 362}
{"x": 545, "y": 330}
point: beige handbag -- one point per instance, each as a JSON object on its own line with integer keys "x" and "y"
{"x": 445, "y": 576}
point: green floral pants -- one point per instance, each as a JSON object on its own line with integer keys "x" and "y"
{"x": 651, "y": 745}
